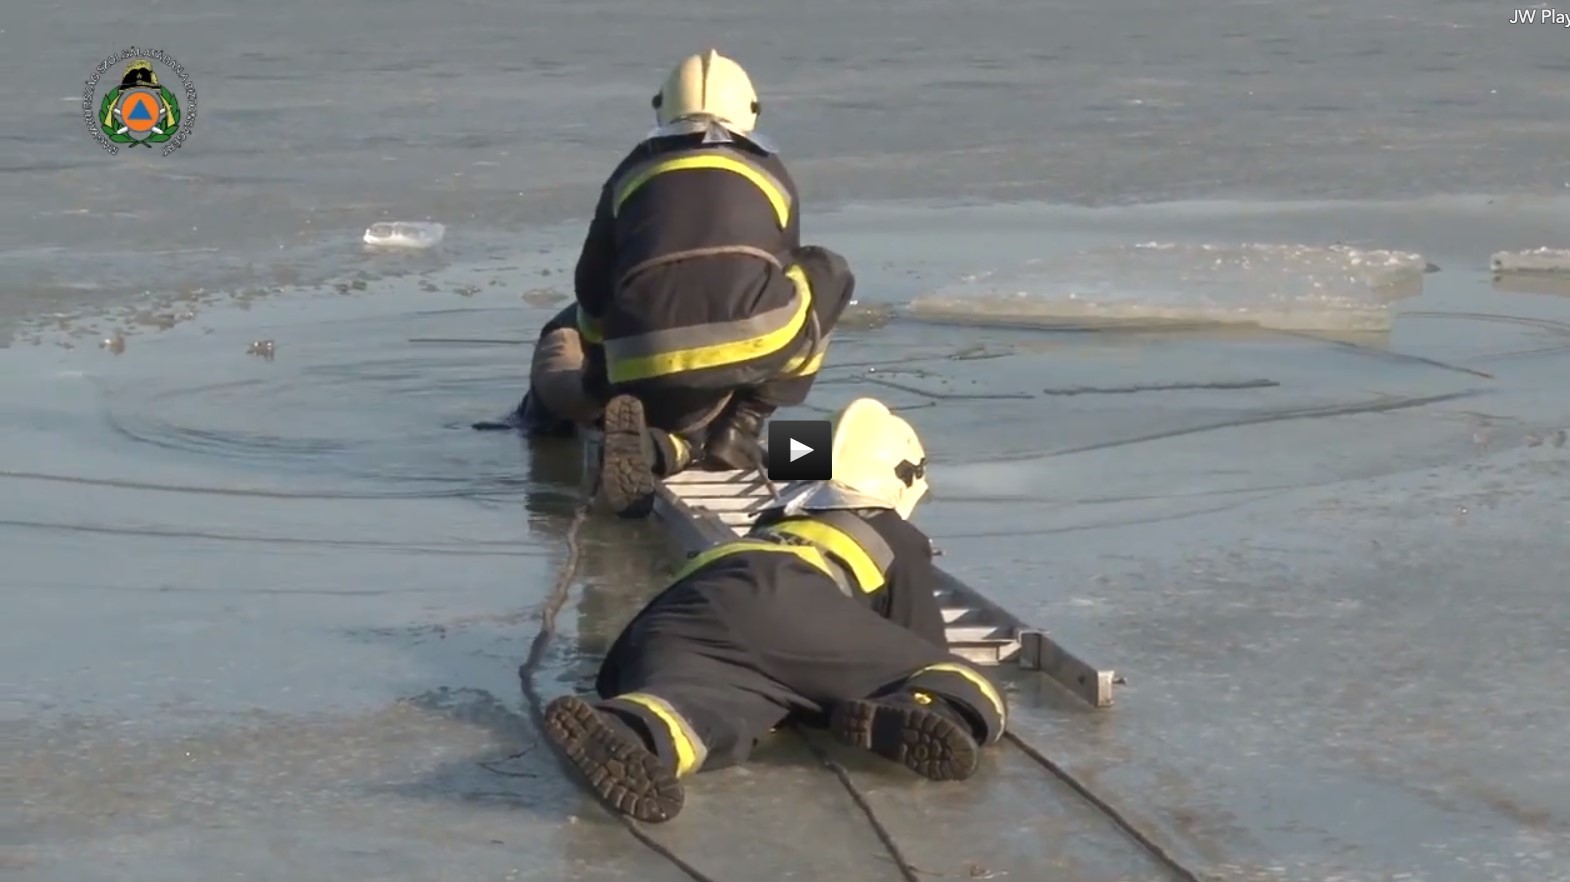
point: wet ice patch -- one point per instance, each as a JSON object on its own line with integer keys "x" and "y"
{"x": 405, "y": 234}
{"x": 1292, "y": 287}
{"x": 1536, "y": 260}
{"x": 865, "y": 316}
{"x": 1550, "y": 283}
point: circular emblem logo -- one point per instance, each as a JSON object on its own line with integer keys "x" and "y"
{"x": 141, "y": 109}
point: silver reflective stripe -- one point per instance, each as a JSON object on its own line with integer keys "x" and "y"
{"x": 656, "y": 343}
{"x": 692, "y": 253}
{"x": 815, "y": 347}
{"x": 857, "y": 528}
{"x": 691, "y": 752}
{"x": 842, "y": 577}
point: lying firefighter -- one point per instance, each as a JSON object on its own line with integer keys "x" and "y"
{"x": 824, "y": 613}
{"x": 698, "y": 312}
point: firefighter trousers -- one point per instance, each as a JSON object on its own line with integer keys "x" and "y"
{"x": 780, "y": 379}
{"x": 557, "y": 371}
{"x": 709, "y": 669}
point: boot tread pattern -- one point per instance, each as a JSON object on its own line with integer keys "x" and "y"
{"x": 926, "y": 742}
{"x": 627, "y": 483}
{"x": 625, "y": 775}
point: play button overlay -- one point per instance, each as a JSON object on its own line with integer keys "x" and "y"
{"x": 799, "y": 450}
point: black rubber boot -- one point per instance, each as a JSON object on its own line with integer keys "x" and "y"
{"x": 921, "y": 731}
{"x": 673, "y": 453}
{"x": 618, "y": 766}
{"x": 735, "y": 439}
{"x": 627, "y": 465}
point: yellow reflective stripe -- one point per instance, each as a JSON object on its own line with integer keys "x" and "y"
{"x": 690, "y": 750}
{"x": 623, "y": 366}
{"x": 662, "y": 341}
{"x": 976, "y": 680}
{"x": 802, "y": 365}
{"x": 714, "y": 161}
{"x": 589, "y": 327}
{"x": 681, "y": 447}
{"x": 868, "y": 575}
{"x": 809, "y": 556}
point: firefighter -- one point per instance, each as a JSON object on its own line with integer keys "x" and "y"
{"x": 824, "y": 613}
{"x": 698, "y": 311}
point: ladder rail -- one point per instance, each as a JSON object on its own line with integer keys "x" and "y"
{"x": 701, "y": 509}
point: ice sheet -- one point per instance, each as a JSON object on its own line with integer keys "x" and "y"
{"x": 1536, "y": 260}
{"x": 1293, "y": 287}
{"x": 263, "y": 617}
{"x": 405, "y": 234}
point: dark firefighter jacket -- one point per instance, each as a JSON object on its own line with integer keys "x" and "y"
{"x": 687, "y": 266}
{"x": 880, "y": 559}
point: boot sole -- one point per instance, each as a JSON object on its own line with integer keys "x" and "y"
{"x": 626, "y": 481}
{"x": 625, "y": 775}
{"x": 927, "y": 743}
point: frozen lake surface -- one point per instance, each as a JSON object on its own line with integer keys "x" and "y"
{"x": 317, "y": 120}
{"x": 265, "y": 592}
{"x": 264, "y": 615}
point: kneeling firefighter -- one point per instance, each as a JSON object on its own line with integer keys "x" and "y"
{"x": 698, "y": 312}
{"x": 824, "y": 613}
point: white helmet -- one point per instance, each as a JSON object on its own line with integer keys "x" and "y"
{"x": 708, "y": 86}
{"x": 879, "y": 454}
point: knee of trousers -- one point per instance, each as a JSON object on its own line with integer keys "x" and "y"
{"x": 675, "y": 737}
{"x": 832, "y": 282}
{"x": 566, "y": 319}
{"x": 557, "y": 373}
{"x": 963, "y": 684}
{"x": 694, "y": 428}
{"x": 784, "y": 391}
{"x": 792, "y": 379}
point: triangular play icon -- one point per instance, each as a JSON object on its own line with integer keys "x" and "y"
{"x": 141, "y": 111}
{"x": 798, "y": 450}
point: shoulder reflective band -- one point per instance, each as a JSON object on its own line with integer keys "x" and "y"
{"x": 848, "y": 540}
{"x": 589, "y": 328}
{"x": 712, "y": 159}
{"x": 807, "y": 554}
{"x": 678, "y": 350}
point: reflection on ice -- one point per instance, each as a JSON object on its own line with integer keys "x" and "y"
{"x": 1537, "y": 260}
{"x": 1293, "y": 287}
{"x": 1557, "y": 284}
